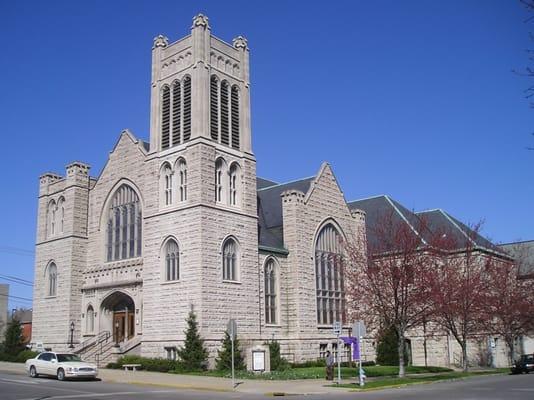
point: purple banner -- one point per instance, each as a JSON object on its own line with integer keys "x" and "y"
{"x": 355, "y": 350}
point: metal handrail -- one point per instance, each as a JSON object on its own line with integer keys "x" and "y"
{"x": 94, "y": 341}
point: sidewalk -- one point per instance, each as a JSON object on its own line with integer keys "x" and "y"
{"x": 290, "y": 387}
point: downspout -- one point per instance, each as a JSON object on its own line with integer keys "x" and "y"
{"x": 259, "y": 293}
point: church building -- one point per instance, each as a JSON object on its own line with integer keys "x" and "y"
{"x": 183, "y": 223}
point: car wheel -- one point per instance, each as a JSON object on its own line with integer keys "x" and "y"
{"x": 60, "y": 374}
{"x": 33, "y": 372}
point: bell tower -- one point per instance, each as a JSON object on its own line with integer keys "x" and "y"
{"x": 200, "y": 142}
{"x": 200, "y": 88}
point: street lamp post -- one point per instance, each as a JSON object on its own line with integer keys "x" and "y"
{"x": 116, "y": 333}
{"x": 71, "y": 335}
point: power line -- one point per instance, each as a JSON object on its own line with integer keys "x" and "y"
{"x": 16, "y": 250}
{"x": 15, "y": 297}
{"x": 16, "y": 280}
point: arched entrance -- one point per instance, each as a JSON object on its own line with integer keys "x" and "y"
{"x": 119, "y": 311}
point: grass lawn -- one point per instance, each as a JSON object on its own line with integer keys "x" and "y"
{"x": 319, "y": 372}
{"x": 410, "y": 380}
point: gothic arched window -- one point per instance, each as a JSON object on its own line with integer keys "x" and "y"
{"x": 124, "y": 225}
{"x": 90, "y": 320}
{"x": 329, "y": 276}
{"x": 214, "y": 108}
{"x": 176, "y": 113}
{"x": 51, "y": 218}
{"x": 271, "y": 291}
{"x": 51, "y": 279}
{"x": 234, "y": 101}
{"x": 220, "y": 180}
{"x": 225, "y": 115}
{"x": 166, "y": 177}
{"x": 187, "y": 109}
{"x": 224, "y": 112}
{"x": 165, "y": 117}
{"x": 172, "y": 261}
{"x": 230, "y": 260}
{"x": 61, "y": 214}
{"x": 182, "y": 179}
{"x": 234, "y": 184}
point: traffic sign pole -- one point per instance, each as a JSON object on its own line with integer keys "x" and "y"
{"x": 233, "y": 370}
{"x": 359, "y": 328}
{"x": 337, "y": 330}
{"x": 232, "y": 332}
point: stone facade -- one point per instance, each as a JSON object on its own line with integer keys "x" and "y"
{"x": 129, "y": 300}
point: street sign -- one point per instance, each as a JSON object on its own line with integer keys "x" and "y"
{"x": 358, "y": 329}
{"x": 232, "y": 329}
{"x": 336, "y": 327}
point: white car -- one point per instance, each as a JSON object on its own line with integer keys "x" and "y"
{"x": 61, "y": 365}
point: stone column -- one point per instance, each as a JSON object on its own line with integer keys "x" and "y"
{"x": 241, "y": 45}
{"x": 200, "y": 41}
{"x": 160, "y": 43}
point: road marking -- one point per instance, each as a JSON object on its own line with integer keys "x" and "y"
{"x": 18, "y": 381}
{"x": 81, "y": 396}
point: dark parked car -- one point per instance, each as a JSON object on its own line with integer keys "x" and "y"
{"x": 524, "y": 364}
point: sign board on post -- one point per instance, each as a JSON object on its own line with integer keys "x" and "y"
{"x": 258, "y": 361}
{"x": 336, "y": 327}
{"x": 232, "y": 332}
{"x": 232, "y": 329}
{"x": 358, "y": 329}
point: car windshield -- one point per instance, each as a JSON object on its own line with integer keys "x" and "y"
{"x": 68, "y": 357}
{"x": 529, "y": 359}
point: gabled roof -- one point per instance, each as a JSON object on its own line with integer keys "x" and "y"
{"x": 270, "y": 221}
{"x": 423, "y": 223}
{"x": 380, "y": 207}
{"x": 440, "y": 221}
{"x": 262, "y": 183}
{"x": 523, "y": 253}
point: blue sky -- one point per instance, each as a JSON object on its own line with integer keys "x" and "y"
{"x": 415, "y": 99}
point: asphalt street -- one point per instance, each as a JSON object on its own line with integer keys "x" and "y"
{"x": 502, "y": 387}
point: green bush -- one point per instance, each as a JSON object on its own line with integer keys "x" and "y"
{"x": 20, "y": 357}
{"x": 25, "y": 355}
{"x": 321, "y": 363}
{"x": 387, "y": 352}
{"x": 224, "y": 359}
{"x": 147, "y": 364}
{"x": 193, "y": 355}
{"x": 278, "y": 363}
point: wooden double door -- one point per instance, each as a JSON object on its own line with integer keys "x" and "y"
{"x": 123, "y": 326}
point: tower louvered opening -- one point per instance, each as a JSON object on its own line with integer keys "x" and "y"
{"x": 225, "y": 123}
{"x": 214, "y": 108}
{"x": 176, "y": 113}
{"x": 187, "y": 109}
{"x": 165, "y": 117}
{"x": 235, "y": 117}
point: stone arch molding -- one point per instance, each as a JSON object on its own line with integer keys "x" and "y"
{"x": 109, "y": 197}
{"x": 327, "y": 221}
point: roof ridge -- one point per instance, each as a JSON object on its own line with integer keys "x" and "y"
{"x": 367, "y": 198}
{"x": 452, "y": 221}
{"x": 517, "y": 242}
{"x": 429, "y": 210}
{"x": 392, "y": 202}
{"x": 286, "y": 183}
